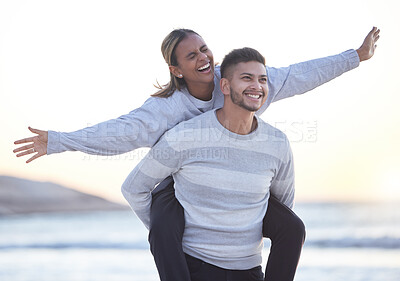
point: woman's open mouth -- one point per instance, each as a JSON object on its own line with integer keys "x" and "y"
{"x": 205, "y": 68}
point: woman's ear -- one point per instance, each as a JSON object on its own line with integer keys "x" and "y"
{"x": 175, "y": 71}
{"x": 225, "y": 86}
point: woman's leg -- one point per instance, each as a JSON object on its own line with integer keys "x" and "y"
{"x": 287, "y": 234}
{"x": 167, "y": 224}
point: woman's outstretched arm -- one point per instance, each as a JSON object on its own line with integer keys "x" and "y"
{"x": 302, "y": 77}
{"x": 141, "y": 127}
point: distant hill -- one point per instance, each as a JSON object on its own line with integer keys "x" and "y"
{"x": 19, "y": 196}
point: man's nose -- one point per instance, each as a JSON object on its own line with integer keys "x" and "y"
{"x": 256, "y": 85}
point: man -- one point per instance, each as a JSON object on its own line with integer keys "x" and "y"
{"x": 225, "y": 164}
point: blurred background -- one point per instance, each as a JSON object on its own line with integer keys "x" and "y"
{"x": 65, "y": 65}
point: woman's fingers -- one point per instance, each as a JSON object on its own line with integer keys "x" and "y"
{"x": 25, "y": 147}
{"x": 367, "y": 49}
{"x": 36, "y": 131}
{"x": 29, "y": 151}
{"x": 24, "y": 140}
{"x": 37, "y": 155}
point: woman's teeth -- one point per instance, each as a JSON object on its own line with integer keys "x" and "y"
{"x": 204, "y": 67}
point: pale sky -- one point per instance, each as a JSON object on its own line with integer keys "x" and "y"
{"x": 65, "y": 65}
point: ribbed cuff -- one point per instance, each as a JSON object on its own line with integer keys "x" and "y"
{"x": 53, "y": 142}
{"x": 352, "y": 57}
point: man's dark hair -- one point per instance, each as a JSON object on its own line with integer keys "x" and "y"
{"x": 237, "y": 56}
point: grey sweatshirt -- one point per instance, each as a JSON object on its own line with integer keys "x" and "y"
{"x": 142, "y": 127}
{"x": 223, "y": 181}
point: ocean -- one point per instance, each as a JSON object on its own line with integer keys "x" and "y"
{"x": 346, "y": 241}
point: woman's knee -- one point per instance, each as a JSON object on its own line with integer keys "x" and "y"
{"x": 296, "y": 228}
{"x": 281, "y": 221}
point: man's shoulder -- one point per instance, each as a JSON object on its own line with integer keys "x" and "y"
{"x": 270, "y": 130}
{"x": 272, "y": 139}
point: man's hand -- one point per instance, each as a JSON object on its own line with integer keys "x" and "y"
{"x": 36, "y": 144}
{"x": 367, "y": 49}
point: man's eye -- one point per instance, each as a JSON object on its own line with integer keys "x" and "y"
{"x": 263, "y": 80}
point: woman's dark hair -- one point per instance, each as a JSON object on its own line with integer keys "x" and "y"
{"x": 168, "y": 48}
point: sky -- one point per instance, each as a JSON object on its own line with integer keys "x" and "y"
{"x": 65, "y": 65}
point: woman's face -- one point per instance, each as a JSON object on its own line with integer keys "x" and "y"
{"x": 195, "y": 61}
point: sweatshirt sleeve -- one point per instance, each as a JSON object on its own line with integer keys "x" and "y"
{"x": 142, "y": 127}
{"x": 302, "y": 77}
{"x": 161, "y": 161}
{"x": 282, "y": 185}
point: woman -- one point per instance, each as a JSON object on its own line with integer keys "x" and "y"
{"x": 194, "y": 89}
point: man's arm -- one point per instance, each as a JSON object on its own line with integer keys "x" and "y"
{"x": 302, "y": 77}
{"x": 282, "y": 185}
{"x": 161, "y": 161}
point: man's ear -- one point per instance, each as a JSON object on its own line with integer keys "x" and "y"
{"x": 225, "y": 86}
{"x": 175, "y": 71}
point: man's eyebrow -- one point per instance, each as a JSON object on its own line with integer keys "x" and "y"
{"x": 252, "y": 75}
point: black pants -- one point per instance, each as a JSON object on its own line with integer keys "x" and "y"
{"x": 167, "y": 223}
{"x": 202, "y": 271}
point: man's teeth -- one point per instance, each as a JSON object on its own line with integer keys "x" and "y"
{"x": 204, "y": 67}
{"x": 254, "y": 96}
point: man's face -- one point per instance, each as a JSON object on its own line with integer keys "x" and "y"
{"x": 248, "y": 85}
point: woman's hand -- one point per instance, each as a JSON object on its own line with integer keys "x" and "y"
{"x": 36, "y": 144}
{"x": 367, "y": 49}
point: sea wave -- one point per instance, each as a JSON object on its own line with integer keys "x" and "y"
{"x": 379, "y": 242}
{"x": 350, "y": 242}
{"x": 78, "y": 245}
